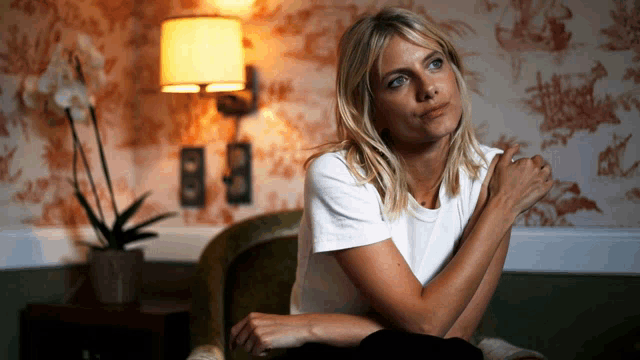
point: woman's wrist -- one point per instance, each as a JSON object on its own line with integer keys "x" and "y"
{"x": 312, "y": 331}
{"x": 502, "y": 208}
{"x": 342, "y": 330}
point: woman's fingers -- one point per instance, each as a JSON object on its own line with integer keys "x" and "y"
{"x": 507, "y": 157}
{"x": 257, "y": 333}
{"x": 538, "y": 161}
{"x": 547, "y": 167}
{"x": 523, "y": 182}
{"x": 259, "y": 344}
{"x": 250, "y": 334}
{"x": 241, "y": 332}
{"x": 244, "y": 336}
{"x": 235, "y": 331}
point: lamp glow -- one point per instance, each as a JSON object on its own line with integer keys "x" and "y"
{"x": 201, "y": 50}
{"x": 224, "y": 87}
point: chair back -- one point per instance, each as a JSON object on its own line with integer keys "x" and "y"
{"x": 249, "y": 267}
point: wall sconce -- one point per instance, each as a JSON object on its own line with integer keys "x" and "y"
{"x": 204, "y": 55}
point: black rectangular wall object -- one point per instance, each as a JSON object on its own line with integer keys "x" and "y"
{"x": 239, "y": 179}
{"x": 192, "y": 186}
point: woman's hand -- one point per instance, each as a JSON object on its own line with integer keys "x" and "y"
{"x": 258, "y": 333}
{"x": 522, "y": 183}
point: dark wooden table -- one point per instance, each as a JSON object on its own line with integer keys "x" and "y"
{"x": 154, "y": 330}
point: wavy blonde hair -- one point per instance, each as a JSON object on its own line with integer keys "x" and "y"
{"x": 368, "y": 157}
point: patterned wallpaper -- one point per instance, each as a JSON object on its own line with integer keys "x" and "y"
{"x": 559, "y": 77}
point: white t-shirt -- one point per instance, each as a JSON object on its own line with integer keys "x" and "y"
{"x": 339, "y": 214}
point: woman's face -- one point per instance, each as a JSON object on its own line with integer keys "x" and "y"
{"x": 415, "y": 92}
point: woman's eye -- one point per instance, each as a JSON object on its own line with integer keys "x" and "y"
{"x": 436, "y": 64}
{"x": 397, "y": 81}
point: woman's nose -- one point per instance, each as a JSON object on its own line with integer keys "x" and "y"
{"x": 428, "y": 89}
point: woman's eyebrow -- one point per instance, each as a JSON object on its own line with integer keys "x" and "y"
{"x": 404, "y": 69}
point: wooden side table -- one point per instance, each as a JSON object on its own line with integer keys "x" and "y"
{"x": 154, "y": 330}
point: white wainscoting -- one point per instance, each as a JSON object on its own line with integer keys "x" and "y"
{"x": 567, "y": 250}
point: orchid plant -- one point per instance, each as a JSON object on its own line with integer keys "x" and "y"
{"x": 65, "y": 88}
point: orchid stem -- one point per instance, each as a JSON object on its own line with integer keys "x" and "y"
{"x": 84, "y": 160}
{"x": 92, "y": 110}
{"x": 99, "y": 235}
{"x": 105, "y": 168}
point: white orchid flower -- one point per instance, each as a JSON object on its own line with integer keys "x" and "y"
{"x": 60, "y": 89}
{"x": 47, "y": 83}
{"x": 102, "y": 78}
{"x": 79, "y": 114}
{"x": 30, "y": 93}
{"x": 79, "y": 94}
{"x": 62, "y": 97}
{"x": 96, "y": 59}
{"x": 84, "y": 41}
{"x": 49, "y": 80}
{"x": 73, "y": 96}
{"x": 65, "y": 75}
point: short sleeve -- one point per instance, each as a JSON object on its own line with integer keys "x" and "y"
{"x": 340, "y": 213}
{"x": 476, "y": 185}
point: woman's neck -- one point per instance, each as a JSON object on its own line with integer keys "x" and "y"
{"x": 424, "y": 170}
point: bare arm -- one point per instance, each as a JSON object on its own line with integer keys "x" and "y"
{"x": 468, "y": 321}
{"x": 262, "y": 331}
{"x": 396, "y": 293}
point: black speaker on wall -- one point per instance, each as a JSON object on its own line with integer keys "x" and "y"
{"x": 192, "y": 177}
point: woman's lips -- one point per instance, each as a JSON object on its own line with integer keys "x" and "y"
{"x": 435, "y": 111}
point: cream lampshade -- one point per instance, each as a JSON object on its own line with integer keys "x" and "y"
{"x": 201, "y": 51}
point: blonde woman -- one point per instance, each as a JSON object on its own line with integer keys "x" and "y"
{"x": 407, "y": 219}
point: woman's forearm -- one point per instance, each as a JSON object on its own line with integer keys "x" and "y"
{"x": 490, "y": 226}
{"x": 345, "y": 330}
{"x": 340, "y": 330}
{"x": 451, "y": 291}
{"x": 468, "y": 321}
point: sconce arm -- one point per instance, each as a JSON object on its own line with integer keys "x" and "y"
{"x": 242, "y": 102}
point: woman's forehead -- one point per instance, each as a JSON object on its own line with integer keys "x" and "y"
{"x": 399, "y": 49}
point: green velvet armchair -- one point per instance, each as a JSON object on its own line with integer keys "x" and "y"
{"x": 251, "y": 267}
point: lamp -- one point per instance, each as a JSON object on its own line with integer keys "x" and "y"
{"x": 204, "y": 54}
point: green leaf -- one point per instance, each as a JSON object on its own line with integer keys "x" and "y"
{"x": 150, "y": 221}
{"x": 116, "y": 235}
{"x": 94, "y": 220}
{"x": 122, "y": 219}
{"x": 137, "y": 237}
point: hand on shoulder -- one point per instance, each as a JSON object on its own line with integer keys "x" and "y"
{"x": 518, "y": 184}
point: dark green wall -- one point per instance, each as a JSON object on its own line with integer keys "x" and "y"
{"x": 569, "y": 316}
{"x": 563, "y": 316}
{"x": 162, "y": 280}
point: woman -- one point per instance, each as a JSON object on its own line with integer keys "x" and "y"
{"x": 407, "y": 220}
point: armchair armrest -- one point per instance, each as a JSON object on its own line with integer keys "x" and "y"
{"x": 206, "y": 352}
{"x": 499, "y": 349}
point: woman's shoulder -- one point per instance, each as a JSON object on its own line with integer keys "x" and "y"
{"x": 489, "y": 153}
{"x": 330, "y": 165}
{"x": 329, "y": 160}
{"x": 329, "y": 177}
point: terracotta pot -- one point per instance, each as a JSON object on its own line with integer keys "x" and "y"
{"x": 116, "y": 275}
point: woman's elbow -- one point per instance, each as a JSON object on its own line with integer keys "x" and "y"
{"x": 425, "y": 327}
{"x": 433, "y": 331}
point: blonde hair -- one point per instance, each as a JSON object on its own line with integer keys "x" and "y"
{"x": 359, "y": 50}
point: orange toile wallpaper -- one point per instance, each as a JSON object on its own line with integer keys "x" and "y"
{"x": 559, "y": 77}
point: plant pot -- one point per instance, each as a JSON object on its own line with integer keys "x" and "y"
{"x": 116, "y": 275}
